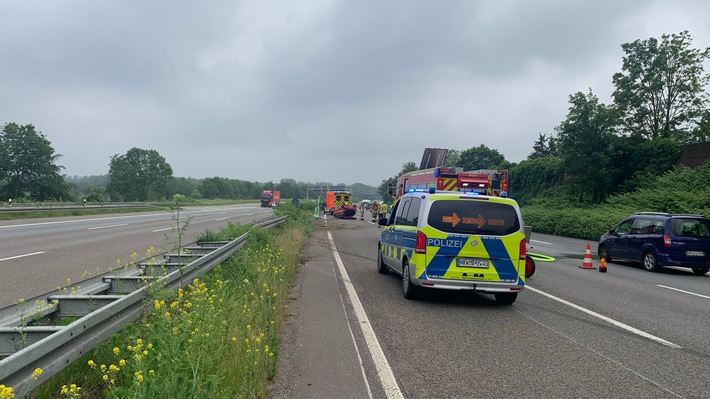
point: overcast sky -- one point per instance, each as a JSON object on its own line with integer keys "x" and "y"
{"x": 311, "y": 90}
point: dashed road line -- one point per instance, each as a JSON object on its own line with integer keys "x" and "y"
{"x": 683, "y": 291}
{"x": 21, "y": 256}
{"x": 607, "y": 319}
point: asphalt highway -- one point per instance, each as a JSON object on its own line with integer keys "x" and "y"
{"x": 40, "y": 255}
{"x": 572, "y": 333}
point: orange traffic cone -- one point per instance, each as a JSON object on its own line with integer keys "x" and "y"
{"x": 602, "y": 265}
{"x": 587, "y": 263}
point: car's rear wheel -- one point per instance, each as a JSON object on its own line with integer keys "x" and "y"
{"x": 700, "y": 270}
{"x": 409, "y": 290}
{"x": 506, "y": 298}
{"x": 604, "y": 253}
{"x": 649, "y": 262}
{"x": 381, "y": 267}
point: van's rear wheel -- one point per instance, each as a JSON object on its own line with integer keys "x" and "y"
{"x": 700, "y": 270}
{"x": 409, "y": 290}
{"x": 649, "y": 262}
{"x": 506, "y": 298}
{"x": 381, "y": 267}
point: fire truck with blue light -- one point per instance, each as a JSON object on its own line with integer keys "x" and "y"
{"x": 482, "y": 181}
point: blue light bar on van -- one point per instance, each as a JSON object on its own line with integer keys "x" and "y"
{"x": 472, "y": 192}
{"x": 416, "y": 190}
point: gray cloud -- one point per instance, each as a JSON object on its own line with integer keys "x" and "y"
{"x": 320, "y": 90}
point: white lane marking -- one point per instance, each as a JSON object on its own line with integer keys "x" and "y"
{"x": 80, "y": 220}
{"x": 384, "y": 371}
{"x": 107, "y": 227}
{"x": 683, "y": 291}
{"x": 95, "y": 219}
{"x": 167, "y": 228}
{"x": 607, "y": 319}
{"x": 352, "y": 334}
{"x": 21, "y": 256}
{"x": 541, "y": 242}
{"x": 220, "y": 219}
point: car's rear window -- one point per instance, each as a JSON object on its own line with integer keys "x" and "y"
{"x": 690, "y": 227}
{"x": 473, "y": 217}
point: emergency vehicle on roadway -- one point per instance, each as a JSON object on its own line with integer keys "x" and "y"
{"x": 456, "y": 241}
{"x": 483, "y": 181}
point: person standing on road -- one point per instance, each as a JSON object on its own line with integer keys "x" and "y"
{"x": 373, "y": 211}
{"x": 382, "y": 210}
{"x": 362, "y": 210}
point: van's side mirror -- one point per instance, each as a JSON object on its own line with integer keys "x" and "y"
{"x": 382, "y": 222}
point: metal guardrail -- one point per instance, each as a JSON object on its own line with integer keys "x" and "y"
{"x": 104, "y": 304}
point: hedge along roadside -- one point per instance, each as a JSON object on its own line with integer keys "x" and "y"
{"x": 217, "y": 337}
{"x": 682, "y": 190}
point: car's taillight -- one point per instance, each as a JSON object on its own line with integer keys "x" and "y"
{"x": 523, "y": 249}
{"x": 420, "y": 247}
{"x": 666, "y": 240}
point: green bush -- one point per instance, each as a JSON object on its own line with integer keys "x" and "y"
{"x": 682, "y": 190}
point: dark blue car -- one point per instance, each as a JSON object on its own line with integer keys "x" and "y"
{"x": 660, "y": 239}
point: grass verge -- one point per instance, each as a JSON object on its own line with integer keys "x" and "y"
{"x": 215, "y": 338}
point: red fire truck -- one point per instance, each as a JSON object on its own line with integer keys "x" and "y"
{"x": 483, "y": 181}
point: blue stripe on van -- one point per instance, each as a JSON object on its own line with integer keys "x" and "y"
{"x": 500, "y": 258}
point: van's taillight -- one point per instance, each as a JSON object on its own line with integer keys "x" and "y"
{"x": 523, "y": 249}
{"x": 666, "y": 240}
{"x": 420, "y": 247}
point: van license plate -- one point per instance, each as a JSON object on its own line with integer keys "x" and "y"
{"x": 470, "y": 262}
{"x": 694, "y": 253}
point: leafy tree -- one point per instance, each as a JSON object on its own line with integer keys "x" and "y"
{"x": 139, "y": 175}
{"x": 702, "y": 132}
{"x": 384, "y": 188}
{"x": 180, "y": 185}
{"x": 543, "y": 147}
{"x": 452, "y": 158}
{"x": 289, "y": 189}
{"x": 480, "y": 157}
{"x": 217, "y": 187}
{"x": 28, "y": 165}
{"x": 660, "y": 91}
{"x": 635, "y": 159}
{"x": 584, "y": 141}
{"x": 534, "y": 177}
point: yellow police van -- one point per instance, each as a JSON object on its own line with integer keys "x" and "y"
{"x": 456, "y": 241}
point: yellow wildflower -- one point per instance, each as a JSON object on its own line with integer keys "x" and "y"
{"x": 36, "y": 373}
{"x": 6, "y": 392}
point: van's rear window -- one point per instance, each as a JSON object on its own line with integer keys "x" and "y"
{"x": 473, "y": 217}
{"x": 691, "y": 227}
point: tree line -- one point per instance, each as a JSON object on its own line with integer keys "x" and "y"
{"x": 29, "y": 171}
{"x": 660, "y": 103}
